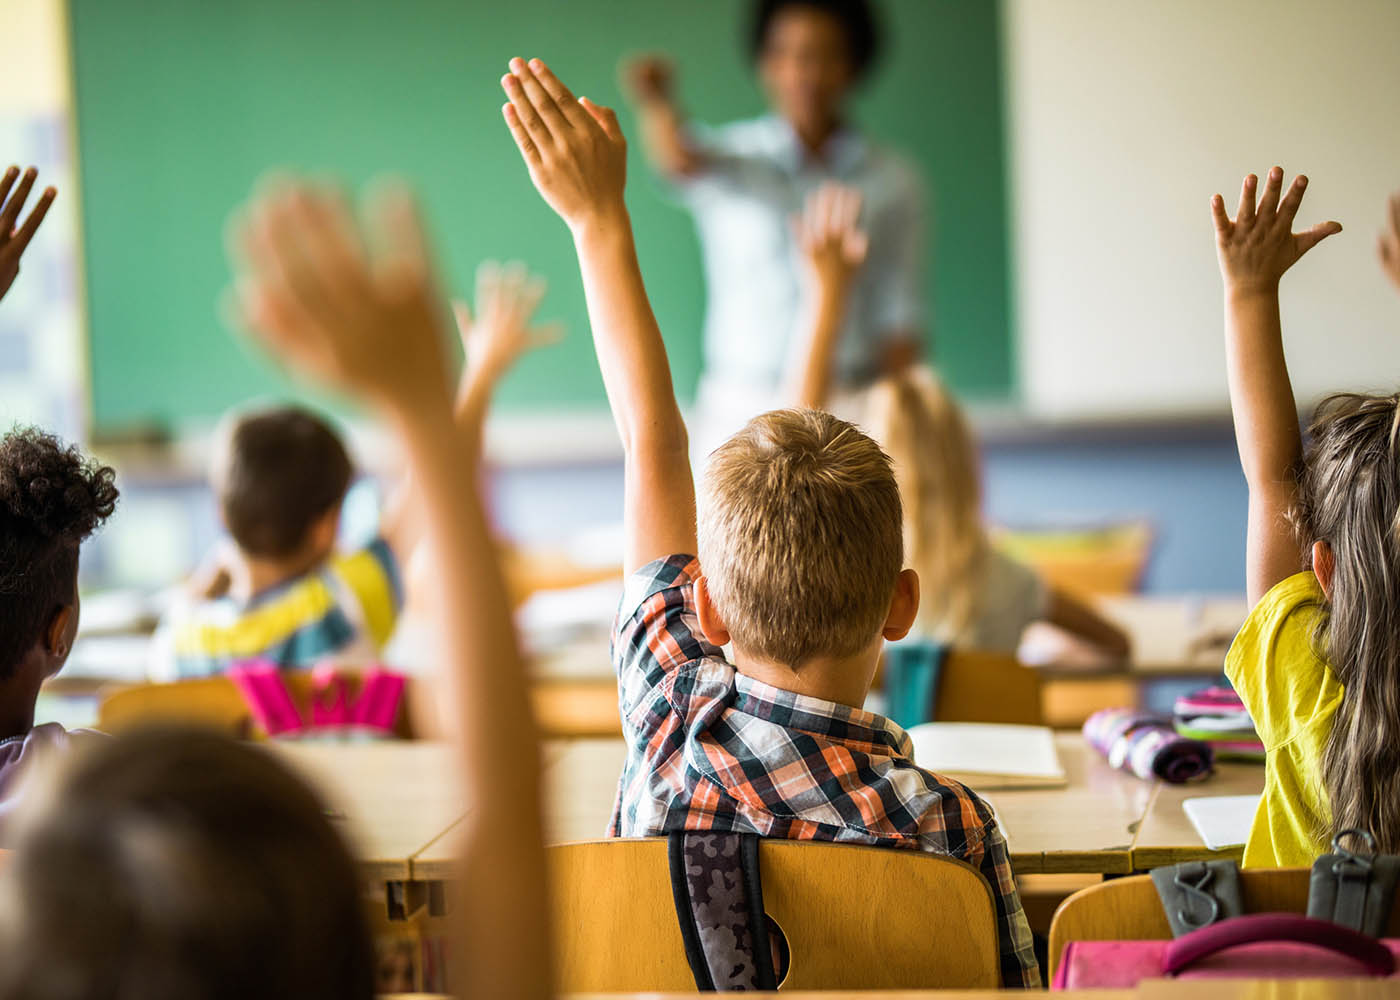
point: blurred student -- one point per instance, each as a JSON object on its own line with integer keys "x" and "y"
{"x": 281, "y": 591}
{"x": 184, "y": 865}
{"x": 1317, "y": 662}
{"x": 972, "y": 595}
{"x": 741, "y": 183}
{"x": 799, "y": 537}
{"x": 14, "y": 238}
{"x": 51, "y": 499}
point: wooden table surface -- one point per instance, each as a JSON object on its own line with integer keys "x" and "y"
{"x": 1086, "y": 827}
{"x": 400, "y": 806}
{"x": 395, "y": 797}
{"x": 1166, "y": 836}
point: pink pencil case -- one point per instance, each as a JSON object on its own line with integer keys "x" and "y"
{"x": 1258, "y": 946}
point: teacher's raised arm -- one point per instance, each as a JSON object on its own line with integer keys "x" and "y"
{"x": 746, "y": 182}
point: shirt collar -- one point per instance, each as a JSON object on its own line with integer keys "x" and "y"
{"x": 845, "y": 150}
{"x": 830, "y": 720}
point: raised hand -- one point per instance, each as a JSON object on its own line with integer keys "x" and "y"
{"x": 13, "y": 241}
{"x": 1389, "y": 246}
{"x": 506, "y": 299}
{"x": 833, "y": 244}
{"x": 574, "y": 148}
{"x": 648, "y": 78}
{"x": 1259, "y": 245}
{"x": 354, "y": 307}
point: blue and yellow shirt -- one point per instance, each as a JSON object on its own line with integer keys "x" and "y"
{"x": 346, "y": 608}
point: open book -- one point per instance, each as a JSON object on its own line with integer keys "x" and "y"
{"x": 989, "y": 756}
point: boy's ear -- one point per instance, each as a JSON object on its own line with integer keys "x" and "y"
{"x": 904, "y": 608}
{"x": 55, "y": 634}
{"x": 325, "y": 529}
{"x": 711, "y": 624}
{"x": 1324, "y": 564}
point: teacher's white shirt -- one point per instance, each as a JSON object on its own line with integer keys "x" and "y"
{"x": 758, "y": 176}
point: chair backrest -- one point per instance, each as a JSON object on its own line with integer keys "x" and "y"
{"x": 853, "y": 917}
{"x": 211, "y": 702}
{"x": 977, "y": 686}
{"x": 1128, "y": 909}
{"x": 926, "y": 682}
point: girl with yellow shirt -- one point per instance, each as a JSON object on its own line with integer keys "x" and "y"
{"x": 1318, "y": 661}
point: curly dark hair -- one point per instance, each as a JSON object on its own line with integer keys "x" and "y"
{"x": 857, "y": 17}
{"x": 51, "y": 498}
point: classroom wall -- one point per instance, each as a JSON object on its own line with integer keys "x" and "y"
{"x": 1124, "y": 117}
{"x": 42, "y": 356}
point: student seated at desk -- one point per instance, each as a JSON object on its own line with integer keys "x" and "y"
{"x": 51, "y": 499}
{"x": 972, "y": 596}
{"x": 183, "y": 865}
{"x": 280, "y": 591}
{"x": 1317, "y": 662}
{"x": 800, "y": 567}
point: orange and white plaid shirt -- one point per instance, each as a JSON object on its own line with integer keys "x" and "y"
{"x": 711, "y": 749}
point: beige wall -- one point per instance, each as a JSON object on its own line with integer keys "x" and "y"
{"x": 1125, "y": 116}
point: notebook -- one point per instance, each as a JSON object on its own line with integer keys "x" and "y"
{"x": 1222, "y": 820}
{"x": 989, "y": 756}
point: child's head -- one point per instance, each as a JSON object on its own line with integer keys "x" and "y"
{"x": 1348, "y": 510}
{"x": 935, "y": 463}
{"x": 811, "y": 52}
{"x": 51, "y": 498}
{"x": 281, "y": 476}
{"x": 179, "y": 864}
{"x": 799, "y": 532}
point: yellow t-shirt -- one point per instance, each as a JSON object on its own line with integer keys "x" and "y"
{"x": 1292, "y": 696}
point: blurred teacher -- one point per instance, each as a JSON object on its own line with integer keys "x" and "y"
{"x": 746, "y": 181}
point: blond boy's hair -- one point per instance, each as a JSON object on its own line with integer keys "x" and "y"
{"x": 800, "y": 536}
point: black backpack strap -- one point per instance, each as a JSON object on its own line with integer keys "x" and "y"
{"x": 718, "y": 893}
{"x": 1356, "y": 890}
{"x": 1196, "y": 894}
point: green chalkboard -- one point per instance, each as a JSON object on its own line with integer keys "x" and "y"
{"x": 181, "y": 105}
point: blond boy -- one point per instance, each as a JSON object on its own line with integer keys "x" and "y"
{"x": 800, "y": 540}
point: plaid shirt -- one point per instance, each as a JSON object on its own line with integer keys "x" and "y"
{"x": 711, "y": 749}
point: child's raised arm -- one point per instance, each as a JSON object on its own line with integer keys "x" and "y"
{"x": 493, "y": 339}
{"x": 834, "y": 248}
{"x": 1255, "y": 249}
{"x": 577, "y": 158}
{"x": 1388, "y": 247}
{"x": 363, "y": 316}
{"x": 14, "y": 238}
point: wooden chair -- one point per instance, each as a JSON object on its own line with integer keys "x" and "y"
{"x": 853, "y": 918}
{"x": 565, "y": 709}
{"x": 977, "y": 686}
{"x": 1128, "y": 909}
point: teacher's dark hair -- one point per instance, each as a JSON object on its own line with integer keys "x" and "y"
{"x": 857, "y": 18}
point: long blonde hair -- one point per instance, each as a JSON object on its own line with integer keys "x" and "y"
{"x": 922, "y": 429}
{"x": 1349, "y": 497}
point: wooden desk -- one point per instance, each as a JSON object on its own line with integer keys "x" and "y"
{"x": 1166, "y": 836}
{"x": 1087, "y": 827}
{"x": 393, "y": 799}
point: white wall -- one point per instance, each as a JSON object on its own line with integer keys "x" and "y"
{"x": 1124, "y": 117}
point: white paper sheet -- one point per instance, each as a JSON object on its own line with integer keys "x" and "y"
{"x": 1222, "y": 820}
